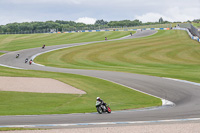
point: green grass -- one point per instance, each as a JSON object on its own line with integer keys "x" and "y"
{"x": 152, "y": 26}
{"x": 166, "y": 54}
{"x": 146, "y": 26}
{"x": 24, "y": 103}
{"x": 16, "y": 128}
{"x": 25, "y": 41}
{"x": 197, "y": 25}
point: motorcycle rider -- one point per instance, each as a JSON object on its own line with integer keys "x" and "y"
{"x": 43, "y": 46}
{"x": 26, "y": 60}
{"x": 102, "y": 106}
{"x": 17, "y": 55}
{"x": 102, "y": 102}
{"x": 30, "y": 62}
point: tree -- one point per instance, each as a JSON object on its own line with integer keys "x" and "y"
{"x": 160, "y": 20}
{"x": 61, "y": 25}
{"x": 101, "y": 22}
{"x": 196, "y": 21}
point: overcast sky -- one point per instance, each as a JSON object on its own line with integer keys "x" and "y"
{"x": 88, "y": 11}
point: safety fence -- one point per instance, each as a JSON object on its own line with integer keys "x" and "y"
{"x": 116, "y": 30}
{"x": 194, "y": 31}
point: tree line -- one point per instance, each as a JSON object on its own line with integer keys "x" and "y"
{"x": 62, "y": 26}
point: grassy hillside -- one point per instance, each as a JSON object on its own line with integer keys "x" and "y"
{"x": 19, "y": 103}
{"x": 25, "y": 41}
{"x": 166, "y": 54}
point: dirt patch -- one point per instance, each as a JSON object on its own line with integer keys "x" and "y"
{"x": 40, "y": 85}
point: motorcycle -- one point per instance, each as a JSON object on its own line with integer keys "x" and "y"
{"x": 43, "y": 46}
{"x": 102, "y": 108}
{"x": 26, "y": 60}
{"x": 17, "y": 55}
{"x": 30, "y": 62}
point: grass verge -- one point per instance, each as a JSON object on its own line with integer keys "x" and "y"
{"x": 21, "y": 103}
{"x": 25, "y": 41}
{"x": 15, "y": 128}
{"x": 197, "y": 25}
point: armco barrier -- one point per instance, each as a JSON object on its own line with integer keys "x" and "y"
{"x": 118, "y": 30}
{"x": 191, "y": 28}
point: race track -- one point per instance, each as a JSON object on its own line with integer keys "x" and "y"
{"x": 185, "y": 96}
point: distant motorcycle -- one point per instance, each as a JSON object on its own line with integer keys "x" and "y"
{"x": 30, "y": 62}
{"x": 17, "y": 56}
{"x": 43, "y": 46}
{"x": 102, "y": 108}
{"x": 26, "y": 60}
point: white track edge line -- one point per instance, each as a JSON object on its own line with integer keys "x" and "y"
{"x": 184, "y": 81}
{"x": 11, "y": 67}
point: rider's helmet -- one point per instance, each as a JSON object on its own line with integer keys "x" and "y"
{"x": 98, "y": 98}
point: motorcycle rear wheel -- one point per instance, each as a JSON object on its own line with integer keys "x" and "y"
{"x": 108, "y": 110}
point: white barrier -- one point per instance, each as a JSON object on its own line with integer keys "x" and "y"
{"x": 191, "y": 36}
{"x": 116, "y": 30}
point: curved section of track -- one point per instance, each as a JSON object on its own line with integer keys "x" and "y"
{"x": 185, "y": 96}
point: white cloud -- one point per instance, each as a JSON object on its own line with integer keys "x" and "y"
{"x": 86, "y": 20}
{"x": 171, "y": 14}
{"x": 183, "y": 14}
{"x": 42, "y": 1}
{"x": 10, "y": 19}
{"x": 152, "y": 17}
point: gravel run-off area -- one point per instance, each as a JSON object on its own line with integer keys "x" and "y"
{"x": 155, "y": 128}
{"x": 39, "y": 85}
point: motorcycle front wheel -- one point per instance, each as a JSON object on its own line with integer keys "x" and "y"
{"x": 99, "y": 110}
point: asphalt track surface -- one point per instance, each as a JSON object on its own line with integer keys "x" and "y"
{"x": 185, "y": 96}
